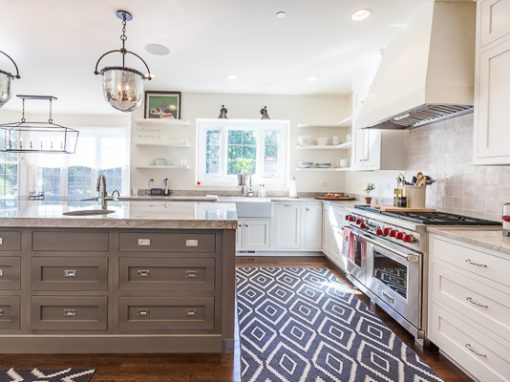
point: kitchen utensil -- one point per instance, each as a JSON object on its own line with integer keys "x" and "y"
{"x": 506, "y": 219}
{"x": 332, "y": 196}
{"x": 323, "y": 141}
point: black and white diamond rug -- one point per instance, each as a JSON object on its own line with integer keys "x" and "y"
{"x": 46, "y": 375}
{"x": 302, "y": 324}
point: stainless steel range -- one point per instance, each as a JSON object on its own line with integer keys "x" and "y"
{"x": 387, "y": 259}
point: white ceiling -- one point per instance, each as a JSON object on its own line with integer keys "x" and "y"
{"x": 56, "y": 44}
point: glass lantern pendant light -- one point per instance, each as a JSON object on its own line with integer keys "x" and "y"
{"x": 5, "y": 81}
{"x": 123, "y": 86}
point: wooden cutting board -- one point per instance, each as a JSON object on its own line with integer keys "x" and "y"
{"x": 338, "y": 198}
{"x": 404, "y": 209}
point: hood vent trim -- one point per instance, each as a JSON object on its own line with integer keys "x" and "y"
{"x": 422, "y": 116}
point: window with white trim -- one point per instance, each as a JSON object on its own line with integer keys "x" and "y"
{"x": 100, "y": 151}
{"x": 227, "y": 148}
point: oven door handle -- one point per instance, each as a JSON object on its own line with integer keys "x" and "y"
{"x": 409, "y": 258}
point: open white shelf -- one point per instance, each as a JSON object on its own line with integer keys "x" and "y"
{"x": 162, "y": 167}
{"x": 180, "y": 145}
{"x": 317, "y": 169}
{"x": 162, "y": 122}
{"x": 343, "y": 146}
{"x": 346, "y": 122}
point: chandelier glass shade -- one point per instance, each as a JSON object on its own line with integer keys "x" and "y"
{"x": 123, "y": 87}
{"x": 5, "y": 81}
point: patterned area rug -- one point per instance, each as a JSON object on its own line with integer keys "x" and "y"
{"x": 45, "y": 375}
{"x": 303, "y": 324}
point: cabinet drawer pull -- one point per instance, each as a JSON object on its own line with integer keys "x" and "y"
{"x": 143, "y": 273}
{"x": 1, "y": 240}
{"x": 470, "y": 348}
{"x": 2, "y": 312}
{"x": 470, "y": 299}
{"x": 469, "y": 261}
{"x": 70, "y": 272}
{"x": 191, "y": 243}
{"x": 388, "y": 297}
{"x": 144, "y": 242}
{"x": 70, "y": 313}
{"x": 144, "y": 312}
{"x": 191, "y": 313}
{"x": 191, "y": 275}
{"x": 1, "y": 272}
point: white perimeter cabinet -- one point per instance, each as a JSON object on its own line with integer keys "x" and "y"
{"x": 295, "y": 226}
{"x": 492, "y": 86}
{"x": 333, "y": 221}
{"x": 469, "y": 307}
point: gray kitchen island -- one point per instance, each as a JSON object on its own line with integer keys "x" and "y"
{"x": 150, "y": 277}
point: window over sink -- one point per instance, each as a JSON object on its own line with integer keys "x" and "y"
{"x": 226, "y": 148}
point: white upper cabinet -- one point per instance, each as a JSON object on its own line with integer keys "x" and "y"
{"x": 492, "y": 89}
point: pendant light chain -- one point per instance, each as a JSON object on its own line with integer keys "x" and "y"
{"x": 123, "y": 38}
{"x": 50, "y": 118}
{"x": 23, "y": 111}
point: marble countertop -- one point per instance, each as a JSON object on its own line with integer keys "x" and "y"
{"x": 490, "y": 238}
{"x": 137, "y": 214}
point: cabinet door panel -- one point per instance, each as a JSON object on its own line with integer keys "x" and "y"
{"x": 256, "y": 234}
{"x": 287, "y": 230}
{"x": 312, "y": 226}
{"x": 492, "y": 131}
{"x": 494, "y": 20}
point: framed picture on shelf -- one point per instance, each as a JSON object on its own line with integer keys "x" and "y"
{"x": 162, "y": 105}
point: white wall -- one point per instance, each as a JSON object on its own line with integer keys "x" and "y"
{"x": 297, "y": 109}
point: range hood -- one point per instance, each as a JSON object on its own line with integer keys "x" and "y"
{"x": 427, "y": 71}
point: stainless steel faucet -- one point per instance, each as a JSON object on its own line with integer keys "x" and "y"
{"x": 101, "y": 181}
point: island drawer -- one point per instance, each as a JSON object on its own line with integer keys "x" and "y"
{"x": 69, "y": 313}
{"x": 69, "y": 273}
{"x": 10, "y": 273}
{"x": 10, "y": 241}
{"x": 167, "y": 242}
{"x": 9, "y": 312}
{"x": 166, "y": 274}
{"x": 166, "y": 313}
{"x": 70, "y": 241}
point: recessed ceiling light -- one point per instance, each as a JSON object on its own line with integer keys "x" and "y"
{"x": 232, "y": 77}
{"x": 398, "y": 25}
{"x": 312, "y": 79}
{"x": 361, "y": 14}
{"x": 157, "y": 49}
{"x": 281, "y": 14}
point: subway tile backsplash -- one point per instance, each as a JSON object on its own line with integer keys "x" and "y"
{"x": 444, "y": 151}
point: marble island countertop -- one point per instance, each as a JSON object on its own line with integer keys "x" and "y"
{"x": 488, "y": 238}
{"x": 138, "y": 214}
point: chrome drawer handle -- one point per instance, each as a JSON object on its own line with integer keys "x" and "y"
{"x": 143, "y": 273}
{"x": 470, "y": 348}
{"x": 2, "y": 312}
{"x": 388, "y": 297}
{"x": 476, "y": 264}
{"x": 469, "y": 299}
{"x": 1, "y": 240}
{"x": 191, "y": 275}
{"x": 70, "y": 313}
{"x": 191, "y": 313}
{"x": 144, "y": 242}
{"x": 70, "y": 272}
{"x": 1, "y": 272}
{"x": 144, "y": 312}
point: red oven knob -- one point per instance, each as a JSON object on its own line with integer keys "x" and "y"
{"x": 506, "y": 218}
{"x": 379, "y": 232}
{"x": 362, "y": 225}
{"x": 358, "y": 221}
{"x": 349, "y": 218}
{"x": 408, "y": 238}
{"x": 386, "y": 231}
{"x": 393, "y": 233}
{"x": 399, "y": 235}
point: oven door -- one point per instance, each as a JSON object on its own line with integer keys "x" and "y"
{"x": 356, "y": 255}
{"x": 394, "y": 275}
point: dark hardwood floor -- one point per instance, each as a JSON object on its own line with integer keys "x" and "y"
{"x": 206, "y": 367}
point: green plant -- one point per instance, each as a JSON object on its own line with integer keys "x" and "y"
{"x": 244, "y": 166}
{"x": 370, "y": 188}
